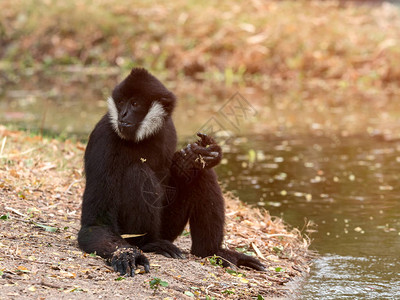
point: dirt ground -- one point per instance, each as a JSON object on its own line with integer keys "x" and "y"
{"x": 41, "y": 184}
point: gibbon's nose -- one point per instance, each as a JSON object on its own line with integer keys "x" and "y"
{"x": 124, "y": 112}
{"x": 125, "y": 118}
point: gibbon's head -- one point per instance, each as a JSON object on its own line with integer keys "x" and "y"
{"x": 139, "y": 106}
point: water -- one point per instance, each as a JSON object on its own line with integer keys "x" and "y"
{"x": 347, "y": 187}
{"x": 353, "y": 277}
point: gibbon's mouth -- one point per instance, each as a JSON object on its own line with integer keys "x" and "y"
{"x": 122, "y": 124}
{"x": 125, "y": 129}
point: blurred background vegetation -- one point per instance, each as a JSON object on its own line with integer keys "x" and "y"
{"x": 329, "y": 66}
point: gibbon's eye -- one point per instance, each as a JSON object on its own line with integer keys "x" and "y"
{"x": 134, "y": 104}
{"x": 120, "y": 101}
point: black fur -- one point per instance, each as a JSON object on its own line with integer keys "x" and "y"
{"x": 144, "y": 187}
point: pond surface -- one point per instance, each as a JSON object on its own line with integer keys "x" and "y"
{"x": 348, "y": 188}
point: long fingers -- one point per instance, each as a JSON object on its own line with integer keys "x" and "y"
{"x": 205, "y": 139}
{"x": 143, "y": 261}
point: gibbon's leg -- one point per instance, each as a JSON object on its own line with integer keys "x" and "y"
{"x": 175, "y": 215}
{"x": 206, "y": 221}
{"x": 207, "y": 216}
{"x": 201, "y": 203}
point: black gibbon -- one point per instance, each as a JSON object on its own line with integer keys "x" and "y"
{"x": 139, "y": 185}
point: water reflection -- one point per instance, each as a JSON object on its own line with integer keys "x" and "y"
{"x": 348, "y": 187}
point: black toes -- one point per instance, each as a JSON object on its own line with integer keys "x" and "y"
{"x": 240, "y": 259}
{"x": 256, "y": 266}
{"x": 172, "y": 251}
{"x": 251, "y": 262}
{"x": 178, "y": 254}
{"x": 165, "y": 253}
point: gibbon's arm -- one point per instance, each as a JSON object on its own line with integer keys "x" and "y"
{"x": 122, "y": 256}
{"x": 99, "y": 233}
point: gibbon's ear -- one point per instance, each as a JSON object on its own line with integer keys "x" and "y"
{"x": 168, "y": 102}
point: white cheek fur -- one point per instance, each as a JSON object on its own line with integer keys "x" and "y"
{"x": 113, "y": 115}
{"x": 152, "y": 122}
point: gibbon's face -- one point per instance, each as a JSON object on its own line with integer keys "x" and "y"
{"x": 139, "y": 106}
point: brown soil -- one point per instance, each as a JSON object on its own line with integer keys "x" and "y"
{"x": 41, "y": 185}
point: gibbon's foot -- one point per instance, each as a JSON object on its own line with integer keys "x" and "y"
{"x": 163, "y": 247}
{"x": 204, "y": 153}
{"x": 126, "y": 260}
{"x": 239, "y": 259}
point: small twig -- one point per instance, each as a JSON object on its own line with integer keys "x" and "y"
{"x": 185, "y": 280}
{"x": 51, "y": 285}
{"x": 258, "y": 252}
{"x": 27, "y": 221}
{"x": 207, "y": 291}
{"x": 278, "y": 280}
{"x": 21, "y": 153}
{"x": 108, "y": 268}
{"x": 28, "y": 260}
{"x": 70, "y": 186}
{"x": 16, "y": 211}
{"x": 281, "y": 234}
